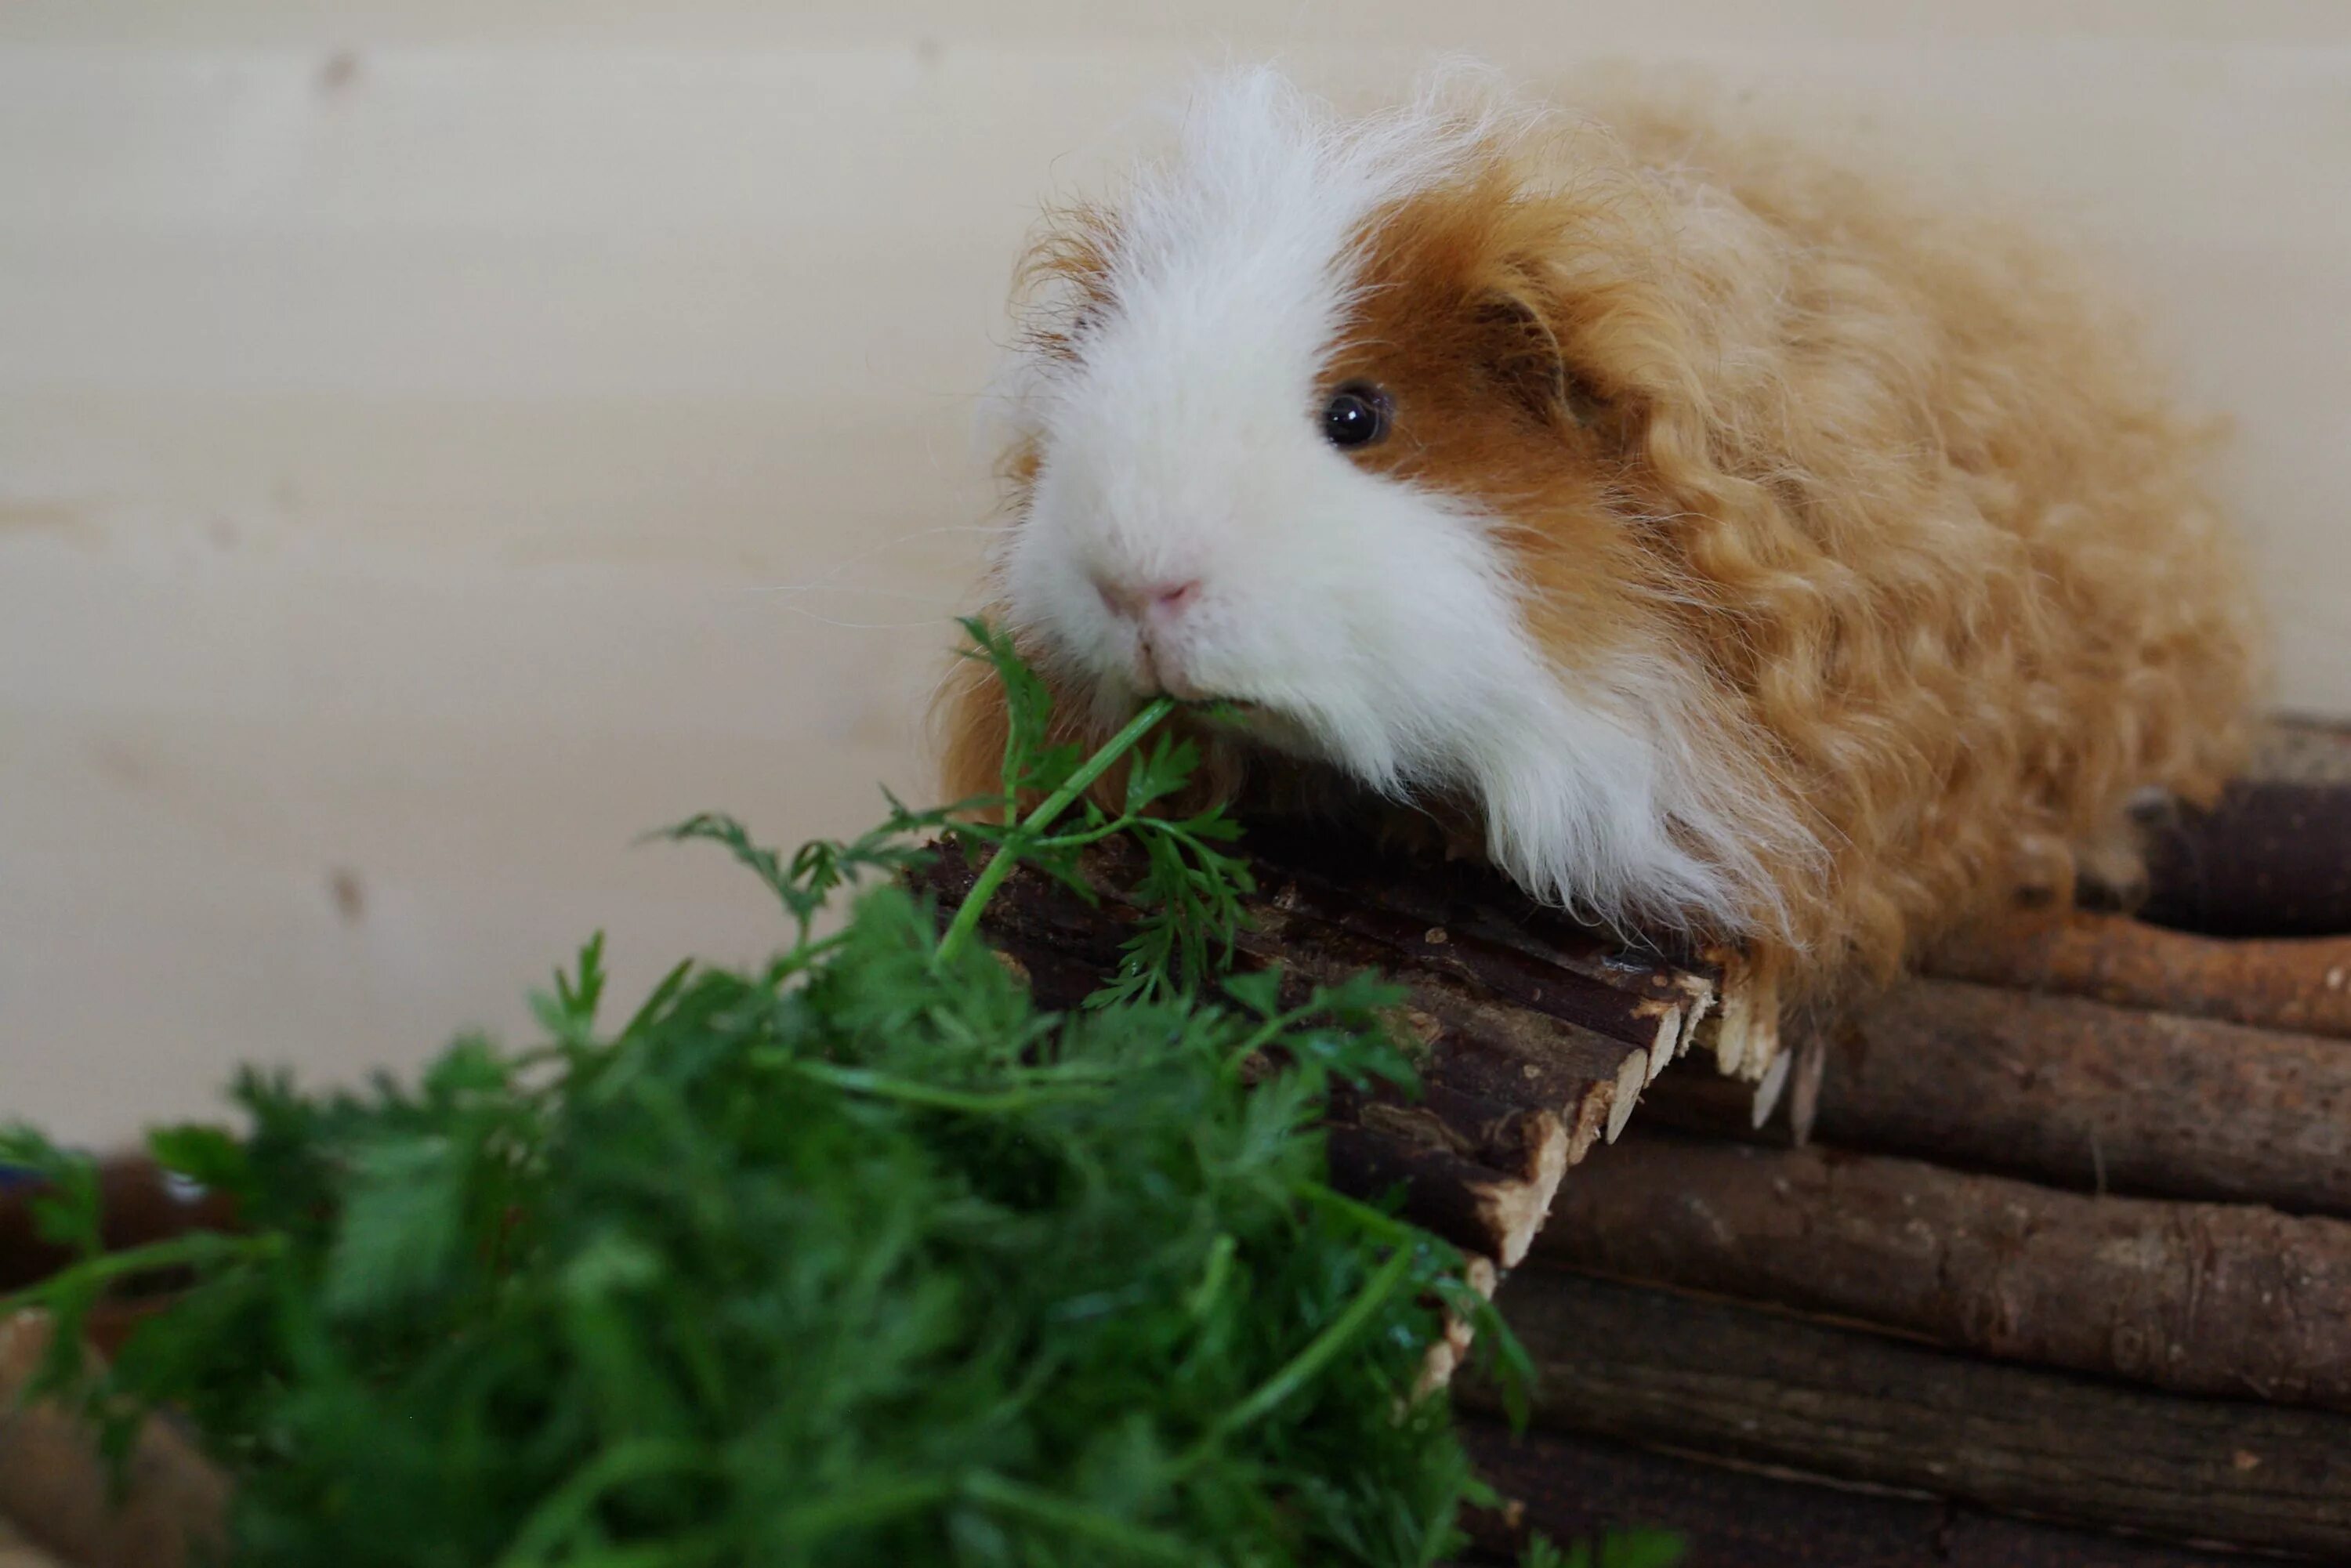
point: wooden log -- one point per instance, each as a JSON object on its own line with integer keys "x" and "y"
{"x": 1478, "y": 1155}
{"x": 1458, "y": 918}
{"x": 1704, "y": 1377}
{"x": 1331, "y": 903}
{"x": 1444, "y": 1358}
{"x": 1573, "y": 1487}
{"x": 2222, "y": 1299}
{"x": 1523, "y": 1069}
{"x": 1494, "y": 950}
{"x": 137, "y": 1203}
{"x": 55, "y": 1487}
{"x": 2074, "y": 1093}
{"x": 2271, "y": 858}
{"x": 1479, "y": 1175}
{"x": 2280, "y": 983}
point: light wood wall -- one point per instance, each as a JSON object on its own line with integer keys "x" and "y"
{"x": 440, "y": 439}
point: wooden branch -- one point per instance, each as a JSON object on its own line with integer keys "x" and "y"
{"x": 137, "y": 1204}
{"x": 2075, "y": 1094}
{"x": 1703, "y": 1377}
{"x": 2283, "y": 983}
{"x": 2270, "y": 860}
{"x": 1462, "y": 920}
{"x": 1477, "y": 1173}
{"x": 2273, "y": 856}
{"x": 1535, "y": 1038}
{"x": 1573, "y": 1487}
{"x": 54, "y": 1486}
{"x": 2219, "y": 1299}
{"x": 1443, "y": 1359}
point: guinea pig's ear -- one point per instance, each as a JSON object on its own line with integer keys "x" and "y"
{"x": 1522, "y": 355}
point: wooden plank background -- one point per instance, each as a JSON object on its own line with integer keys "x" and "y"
{"x": 440, "y": 439}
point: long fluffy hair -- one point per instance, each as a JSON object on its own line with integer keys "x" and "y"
{"x": 1868, "y": 511}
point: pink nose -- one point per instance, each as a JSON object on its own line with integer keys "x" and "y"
{"x": 1149, "y": 601}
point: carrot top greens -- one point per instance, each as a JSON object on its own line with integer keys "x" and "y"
{"x": 857, "y": 1258}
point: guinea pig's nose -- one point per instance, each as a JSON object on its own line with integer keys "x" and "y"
{"x": 1148, "y": 602}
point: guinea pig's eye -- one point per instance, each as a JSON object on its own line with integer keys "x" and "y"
{"x": 1357, "y": 415}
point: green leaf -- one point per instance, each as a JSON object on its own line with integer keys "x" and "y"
{"x": 1160, "y": 772}
{"x": 65, "y": 1205}
{"x": 853, "y": 1257}
{"x": 209, "y": 1156}
{"x": 402, "y": 1228}
{"x": 1640, "y": 1548}
{"x": 1258, "y": 991}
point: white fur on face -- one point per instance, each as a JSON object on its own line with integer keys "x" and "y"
{"x": 1375, "y": 623}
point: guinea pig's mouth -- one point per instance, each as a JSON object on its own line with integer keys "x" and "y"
{"x": 1249, "y": 719}
{"x": 1246, "y": 718}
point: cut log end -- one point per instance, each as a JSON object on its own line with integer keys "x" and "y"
{"x": 1481, "y": 1176}
{"x": 1444, "y": 1358}
{"x": 1742, "y": 1029}
{"x": 1668, "y": 1043}
{"x": 1631, "y": 1079}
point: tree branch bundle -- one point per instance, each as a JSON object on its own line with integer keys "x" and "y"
{"x": 2301, "y": 984}
{"x": 1947, "y": 1297}
{"x": 2076, "y": 1094}
{"x": 1536, "y": 1038}
{"x": 2228, "y": 1299}
{"x": 1693, "y": 1375}
{"x": 1569, "y": 1486}
{"x": 2272, "y": 858}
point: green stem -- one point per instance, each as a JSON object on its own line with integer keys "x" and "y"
{"x": 884, "y": 1086}
{"x": 1378, "y": 1222}
{"x": 1307, "y": 1362}
{"x": 999, "y": 866}
{"x": 195, "y": 1250}
{"x": 840, "y": 1513}
{"x": 557, "y": 1520}
{"x": 1133, "y": 1544}
{"x": 1265, "y": 1034}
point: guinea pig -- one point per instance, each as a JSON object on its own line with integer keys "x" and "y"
{"x": 1738, "y": 550}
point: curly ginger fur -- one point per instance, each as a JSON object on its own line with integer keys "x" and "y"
{"x": 1889, "y": 477}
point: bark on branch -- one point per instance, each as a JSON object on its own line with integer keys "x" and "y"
{"x": 1572, "y": 1487}
{"x": 2230, "y": 1299}
{"x": 2280, "y": 983}
{"x": 2074, "y": 1092}
{"x": 2272, "y": 858}
{"x": 1699, "y": 1376}
{"x": 1535, "y": 1038}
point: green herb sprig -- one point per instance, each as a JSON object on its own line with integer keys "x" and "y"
{"x": 857, "y": 1258}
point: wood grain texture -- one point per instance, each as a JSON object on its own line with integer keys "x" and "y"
{"x": 2072, "y": 1092}
{"x": 442, "y": 439}
{"x": 2301, "y": 985}
{"x": 1572, "y": 1487}
{"x": 55, "y": 1487}
{"x": 2231, "y": 1299}
{"x": 1705, "y": 1377}
{"x": 1517, "y": 1080}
